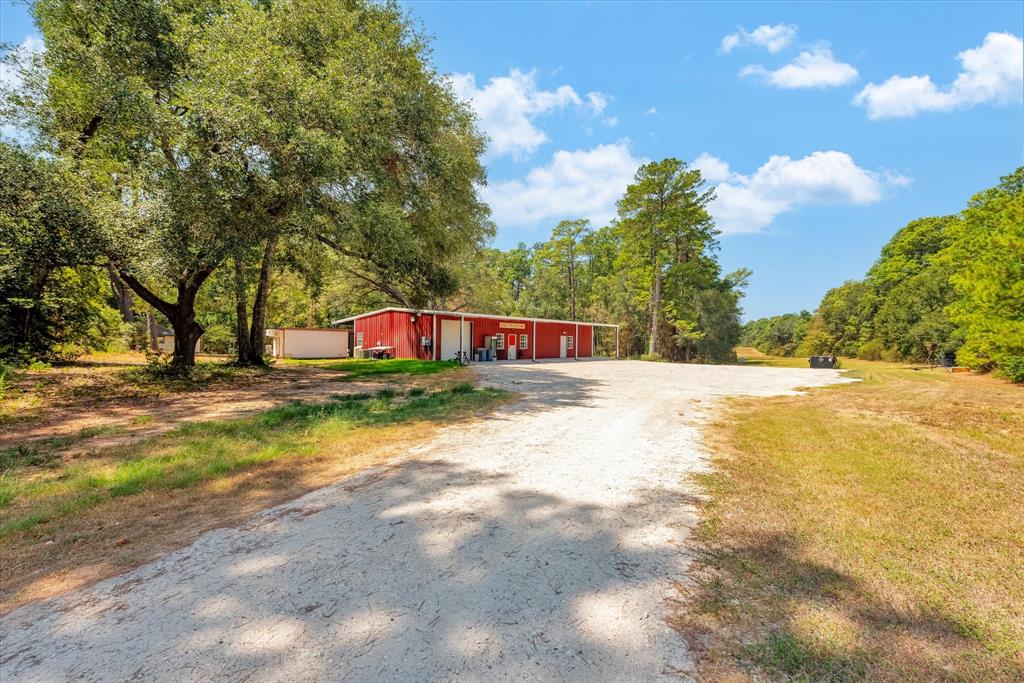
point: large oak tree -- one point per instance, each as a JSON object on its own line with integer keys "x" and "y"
{"x": 219, "y": 129}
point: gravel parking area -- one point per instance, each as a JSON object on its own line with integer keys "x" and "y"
{"x": 537, "y": 543}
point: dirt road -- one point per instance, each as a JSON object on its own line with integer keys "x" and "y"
{"x": 538, "y": 543}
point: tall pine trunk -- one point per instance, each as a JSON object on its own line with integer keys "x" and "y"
{"x": 572, "y": 293}
{"x": 151, "y": 335}
{"x": 241, "y": 313}
{"x": 122, "y": 295}
{"x": 655, "y": 294}
{"x": 257, "y": 331}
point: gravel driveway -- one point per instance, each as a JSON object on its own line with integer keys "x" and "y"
{"x": 538, "y": 543}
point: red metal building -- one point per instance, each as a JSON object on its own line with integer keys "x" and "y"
{"x": 440, "y": 335}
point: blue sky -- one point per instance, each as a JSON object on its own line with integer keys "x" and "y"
{"x": 825, "y": 126}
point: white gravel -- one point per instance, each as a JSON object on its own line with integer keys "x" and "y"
{"x": 539, "y": 543}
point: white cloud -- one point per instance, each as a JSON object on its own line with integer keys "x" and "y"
{"x": 508, "y": 106}
{"x": 813, "y": 68}
{"x": 653, "y": 111}
{"x": 611, "y": 121}
{"x": 712, "y": 169}
{"x": 581, "y": 184}
{"x": 21, "y": 55}
{"x": 10, "y": 76}
{"x": 992, "y": 72}
{"x": 597, "y": 101}
{"x": 750, "y": 203}
{"x": 772, "y": 38}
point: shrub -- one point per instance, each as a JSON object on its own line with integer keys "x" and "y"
{"x": 1012, "y": 368}
{"x": 6, "y": 372}
{"x": 871, "y": 350}
{"x": 38, "y": 366}
{"x": 653, "y": 357}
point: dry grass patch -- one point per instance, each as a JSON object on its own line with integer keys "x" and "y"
{"x": 109, "y": 400}
{"x": 865, "y": 531}
{"x": 33, "y": 394}
{"x": 68, "y": 522}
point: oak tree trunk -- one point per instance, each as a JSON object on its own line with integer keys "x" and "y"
{"x": 181, "y": 313}
{"x": 186, "y": 334}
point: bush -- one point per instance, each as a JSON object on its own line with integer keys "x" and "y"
{"x": 1012, "y": 368}
{"x": 652, "y": 357}
{"x": 6, "y": 373}
{"x": 871, "y": 350}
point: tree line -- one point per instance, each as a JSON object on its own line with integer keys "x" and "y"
{"x": 217, "y": 167}
{"x": 941, "y": 285}
{"x": 653, "y": 269}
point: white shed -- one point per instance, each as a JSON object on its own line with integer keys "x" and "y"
{"x": 307, "y": 342}
{"x": 165, "y": 340}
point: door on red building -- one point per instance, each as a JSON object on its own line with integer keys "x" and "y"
{"x": 511, "y": 346}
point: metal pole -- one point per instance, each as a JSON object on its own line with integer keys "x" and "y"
{"x": 533, "y": 342}
{"x": 616, "y": 342}
{"x": 433, "y": 341}
{"x": 576, "y": 343}
{"x": 462, "y": 323}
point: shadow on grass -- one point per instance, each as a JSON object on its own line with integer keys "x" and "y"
{"x": 201, "y": 451}
{"x": 770, "y": 609}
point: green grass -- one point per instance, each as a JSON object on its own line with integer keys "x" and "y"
{"x": 32, "y": 492}
{"x": 361, "y": 368}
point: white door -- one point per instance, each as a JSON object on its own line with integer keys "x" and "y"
{"x": 563, "y": 349}
{"x": 450, "y": 338}
{"x": 511, "y": 346}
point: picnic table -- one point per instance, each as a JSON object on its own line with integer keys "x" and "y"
{"x": 380, "y": 352}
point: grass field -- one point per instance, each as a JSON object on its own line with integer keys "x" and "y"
{"x": 871, "y": 530}
{"x": 363, "y": 368}
{"x": 63, "y": 521}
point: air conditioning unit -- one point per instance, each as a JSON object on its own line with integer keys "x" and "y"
{"x": 425, "y": 342}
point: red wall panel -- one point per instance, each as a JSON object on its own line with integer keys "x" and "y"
{"x": 397, "y": 329}
{"x": 548, "y": 339}
{"x": 585, "y": 340}
{"x": 403, "y": 330}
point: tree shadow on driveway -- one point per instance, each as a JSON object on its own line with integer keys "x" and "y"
{"x": 427, "y": 570}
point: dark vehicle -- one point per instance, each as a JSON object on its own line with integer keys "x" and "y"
{"x": 823, "y": 361}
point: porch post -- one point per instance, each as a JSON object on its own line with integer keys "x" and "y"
{"x": 462, "y": 324}
{"x": 576, "y": 343}
{"x": 533, "y": 342}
